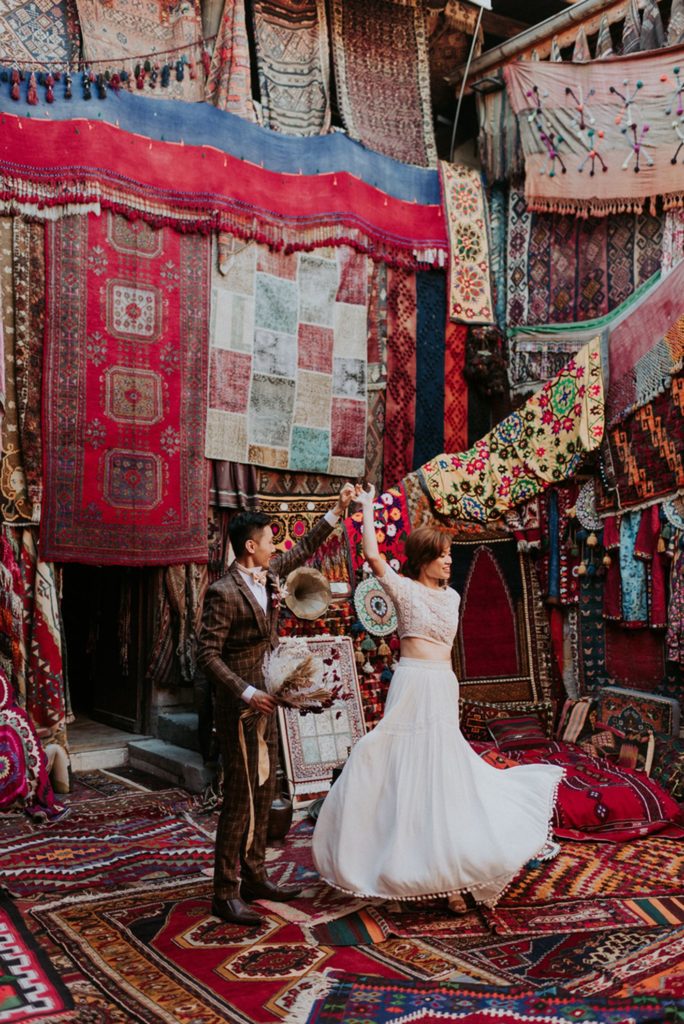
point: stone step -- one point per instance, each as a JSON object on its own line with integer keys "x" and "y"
{"x": 178, "y": 765}
{"x": 179, "y": 728}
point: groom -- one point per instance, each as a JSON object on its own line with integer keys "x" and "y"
{"x": 239, "y": 626}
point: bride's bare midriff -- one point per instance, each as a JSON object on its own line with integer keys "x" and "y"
{"x": 427, "y": 650}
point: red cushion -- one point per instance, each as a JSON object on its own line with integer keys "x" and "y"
{"x": 518, "y": 733}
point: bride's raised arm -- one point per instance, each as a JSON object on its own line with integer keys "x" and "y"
{"x": 370, "y": 541}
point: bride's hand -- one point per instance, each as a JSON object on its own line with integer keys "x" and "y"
{"x": 365, "y": 497}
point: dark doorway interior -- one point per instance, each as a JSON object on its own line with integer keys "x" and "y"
{"x": 103, "y": 613}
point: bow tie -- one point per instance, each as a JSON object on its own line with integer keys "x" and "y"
{"x": 259, "y": 576}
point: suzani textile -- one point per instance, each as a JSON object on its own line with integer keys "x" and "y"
{"x": 470, "y": 298}
{"x": 600, "y": 138}
{"x": 540, "y": 444}
{"x": 294, "y": 67}
{"x": 288, "y": 361}
{"x": 124, "y": 393}
{"x": 383, "y": 77}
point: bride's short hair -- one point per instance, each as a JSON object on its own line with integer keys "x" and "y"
{"x": 422, "y": 547}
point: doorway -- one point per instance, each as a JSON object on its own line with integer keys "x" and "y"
{"x": 104, "y": 616}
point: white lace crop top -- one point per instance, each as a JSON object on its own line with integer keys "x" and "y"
{"x": 422, "y": 612}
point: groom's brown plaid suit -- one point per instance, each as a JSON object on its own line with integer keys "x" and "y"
{"x": 236, "y": 634}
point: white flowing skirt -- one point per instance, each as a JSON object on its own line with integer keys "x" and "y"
{"x": 416, "y": 813}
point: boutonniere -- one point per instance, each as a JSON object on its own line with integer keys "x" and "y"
{"x": 279, "y": 591}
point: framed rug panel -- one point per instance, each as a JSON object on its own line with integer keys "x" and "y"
{"x": 315, "y": 744}
{"x": 502, "y": 650}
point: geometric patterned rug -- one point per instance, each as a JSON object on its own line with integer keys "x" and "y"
{"x": 374, "y": 1001}
{"x": 30, "y": 989}
{"x": 103, "y": 845}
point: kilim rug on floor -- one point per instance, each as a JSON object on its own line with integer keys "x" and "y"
{"x": 287, "y": 385}
{"x": 383, "y": 77}
{"x": 598, "y": 914}
{"x": 293, "y": 63}
{"x": 124, "y": 393}
{"x": 502, "y": 650}
{"x": 104, "y": 845}
{"x": 611, "y": 962}
{"x": 121, "y": 32}
{"x": 44, "y": 31}
{"x": 376, "y": 1001}
{"x": 158, "y": 953}
{"x": 565, "y": 269}
{"x": 30, "y": 988}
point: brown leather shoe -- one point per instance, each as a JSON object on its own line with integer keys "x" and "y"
{"x": 234, "y": 911}
{"x": 268, "y": 891}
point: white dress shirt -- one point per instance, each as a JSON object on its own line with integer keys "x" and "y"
{"x": 261, "y": 594}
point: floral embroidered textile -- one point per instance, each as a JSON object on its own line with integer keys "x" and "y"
{"x": 470, "y": 298}
{"x": 541, "y": 443}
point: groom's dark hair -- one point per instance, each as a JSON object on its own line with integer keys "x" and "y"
{"x": 243, "y": 526}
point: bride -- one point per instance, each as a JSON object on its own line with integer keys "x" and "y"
{"x": 416, "y": 813}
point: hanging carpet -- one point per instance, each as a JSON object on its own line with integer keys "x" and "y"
{"x": 228, "y": 84}
{"x": 382, "y": 76}
{"x": 121, "y": 33}
{"x": 40, "y": 31}
{"x": 291, "y": 40}
{"x": 599, "y": 138}
{"x": 125, "y": 393}
{"x": 564, "y": 269}
{"x": 288, "y": 361}
{"x": 15, "y": 504}
{"x": 502, "y": 648}
{"x": 470, "y": 298}
{"x": 643, "y": 455}
{"x": 228, "y": 175}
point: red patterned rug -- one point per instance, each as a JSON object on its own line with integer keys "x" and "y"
{"x": 104, "y": 845}
{"x": 125, "y": 393}
{"x": 158, "y": 953}
{"x": 30, "y": 988}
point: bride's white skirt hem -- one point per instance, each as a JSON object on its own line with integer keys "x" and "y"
{"x": 549, "y": 850}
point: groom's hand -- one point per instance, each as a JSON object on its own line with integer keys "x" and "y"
{"x": 344, "y": 500}
{"x": 263, "y": 703}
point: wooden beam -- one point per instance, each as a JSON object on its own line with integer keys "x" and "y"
{"x": 564, "y": 26}
{"x": 501, "y": 26}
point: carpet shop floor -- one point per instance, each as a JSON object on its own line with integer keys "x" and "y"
{"x": 117, "y": 899}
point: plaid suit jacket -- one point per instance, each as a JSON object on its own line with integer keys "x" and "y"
{"x": 236, "y": 632}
